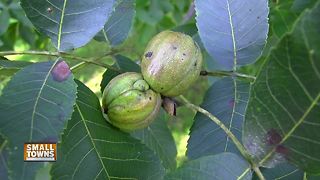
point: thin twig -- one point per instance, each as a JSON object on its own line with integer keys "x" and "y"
{"x": 258, "y": 173}
{"x": 238, "y": 144}
{"x": 111, "y": 53}
{"x": 58, "y": 54}
{"x": 3, "y": 145}
{"x": 190, "y": 13}
{"x": 227, "y": 73}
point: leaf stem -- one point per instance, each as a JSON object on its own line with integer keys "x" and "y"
{"x": 3, "y": 145}
{"x": 238, "y": 144}
{"x": 220, "y": 124}
{"x": 227, "y": 73}
{"x": 258, "y": 173}
{"x": 112, "y": 52}
{"x": 58, "y": 54}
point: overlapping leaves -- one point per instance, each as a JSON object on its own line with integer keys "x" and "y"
{"x": 222, "y": 166}
{"x": 226, "y": 99}
{"x": 93, "y": 149}
{"x": 34, "y": 106}
{"x": 283, "y": 115}
{"x": 8, "y": 67}
{"x": 158, "y": 138}
{"x": 118, "y": 26}
{"x": 123, "y": 64}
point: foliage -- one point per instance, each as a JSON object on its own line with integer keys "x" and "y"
{"x": 258, "y": 90}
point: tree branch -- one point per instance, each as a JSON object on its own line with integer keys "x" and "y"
{"x": 59, "y": 54}
{"x": 238, "y": 144}
{"x": 227, "y": 73}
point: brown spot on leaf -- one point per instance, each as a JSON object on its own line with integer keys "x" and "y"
{"x": 61, "y": 71}
{"x": 273, "y": 137}
{"x": 282, "y": 150}
{"x": 231, "y": 103}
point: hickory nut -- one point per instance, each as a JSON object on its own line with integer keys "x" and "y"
{"x": 129, "y": 102}
{"x": 171, "y": 63}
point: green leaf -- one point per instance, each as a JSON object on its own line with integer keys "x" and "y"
{"x": 227, "y": 100}
{"x": 283, "y": 14}
{"x": 282, "y": 120}
{"x": 311, "y": 177}
{"x": 4, "y": 153}
{"x": 124, "y": 64}
{"x": 221, "y": 166}
{"x": 190, "y": 29}
{"x": 300, "y": 5}
{"x": 18, "y": 13}
{"x": 4, "y": 19}
{"x": 234, "y": 32}
{"x": 8, "y": 67}
{"x": 92, "y": 149}
{"x": 34, "y": 107}
{"x": 118, "y": 26}
{"x": 159, "y": 138}
{"x": 283, "y": 171}
{"x": 69, "y": 24}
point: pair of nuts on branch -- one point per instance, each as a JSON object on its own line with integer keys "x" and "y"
{"x": 171, "y": 64}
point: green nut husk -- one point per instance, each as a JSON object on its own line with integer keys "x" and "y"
{"x": 129, "y": 102}
{"x": 171, "y": 63}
